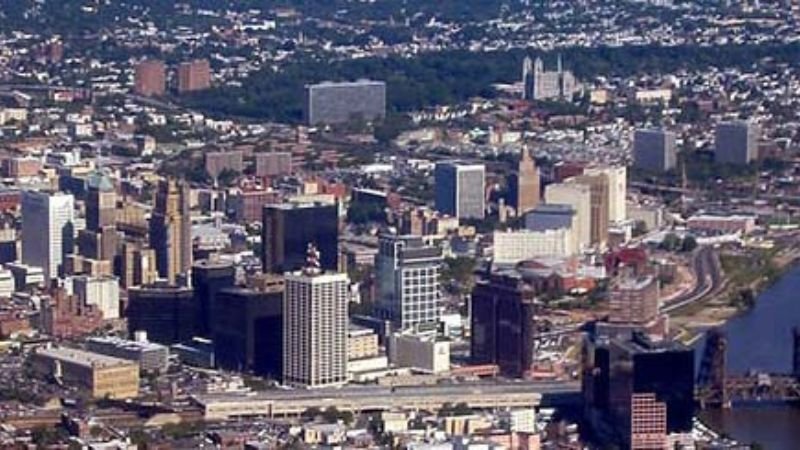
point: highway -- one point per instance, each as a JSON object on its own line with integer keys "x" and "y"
{"x": 708, "y": 272}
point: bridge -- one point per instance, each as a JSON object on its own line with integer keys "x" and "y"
{"x": 715, "y": 388}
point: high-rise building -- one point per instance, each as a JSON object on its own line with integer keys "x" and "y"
{"x": 101, "y": 201}
{"x": 615, "y": 370}
{"x": 460, "y": 189}
{"x": 194, "y": 76}
{"x": 541, "y": 84}
{"x": 648, "y": 429}
{"x": 208, "y": 278}
{"x": 137, "y": 265}
{"x": 599, "y": 195}
{"x": 579, "y": 198}
{"x": 654, "y": 150}
{"x": 216, "y": 162}
{"x": 525, "y": 184}
{"x": 315, "y": 326}
{"x": 502, "y": 324}
{"x": 409, "y": 288}
{"x": 736, "y": 142}
{"x": 331, "y": 103}
{"x": 150, "y": 78}
{"x": 47, "y": 230}
{"x": 288, "y": 229}
{"x": 512, "y": 247}
{"x": 171, "y": 230}
{"x": 166, "y": 313}
{"x": 617, "y": 190}
{"x": 248, "y": 330}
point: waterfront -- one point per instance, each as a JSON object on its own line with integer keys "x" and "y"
{"x": 761, "y": 339}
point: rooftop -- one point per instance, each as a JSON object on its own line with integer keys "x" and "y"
{"x": 82, "y": 357}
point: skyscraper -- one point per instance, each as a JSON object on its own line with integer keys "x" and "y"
{"x": 460, "y": 189}
{"x": 315, "y": 326}
{"x": 289, "y": 228}
{"x": 166, "y": 313}
{"x": 409, "y": 290}
{"x": 525, "y": 184}
{"x": 502, "y": 324}
{"x": 599, "y": 195}
{"x": 194, "y": 76}
{"x": 208, "y": 278}
{"x": 736, "y": 142}
{"x": 248, "y": 330}
{"x": 150, "y": 78}
{"x": 47, "y": 230}
{"x": 330, "y": 103}
{"x": 654, "y": 150}
{"x": 101, "y": 201}
{"x": 617, "y": 177}
{"x": 171, "y": 229}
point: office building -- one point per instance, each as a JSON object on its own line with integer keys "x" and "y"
{"x": 362, "y": 342}
{"x": 634, "y": 300}
{"x": 736, "y": 142}
{"x": 288, "y": 229}
{"x": 101, "y": 201}
{"x": 101, "y": 375}
{"x": 420, "y": 352}
{"x": 248, "y": 330}
{"x": 151, "y": 357}
{"x": 171, "y": 230}
{"x": 615, "y": 370}
{"x": 617, "y": 190}
{"x": 332, "y": 103}
{"x": 47, "y": 231}
{"x": 579, "y": 198}
{"x": 525, "y": 184}
{"x": 273, "y": 164}
{"x": 408, "y": 278}
{"x": 502, "y": 328}
{"x": 511, "y": 247}
{"x": 654, "y": 150}
{"x": 208, "y": 278}
{"x": 166, "y": 313}
{"x": 541, "y": 84}
{"x": 459, "y": 189}
{"x": 194, "y": 76}
{"x": 102, "y": 292}
{"x": 150, "y": 78}
{"x": 599, "y": 205}
{"x": 315, "y": 326}
{"x": 551, "y": 217}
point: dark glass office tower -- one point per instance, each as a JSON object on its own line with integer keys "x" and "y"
{"x": 166, "y": 313}
{"x": 502, "y": 324}
{"x": 248, "y": 330}
{"x": 208, "y": 277}
{"x": 289, "y": 228}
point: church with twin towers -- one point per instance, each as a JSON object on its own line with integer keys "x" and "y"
{"x": 541, "y": 84}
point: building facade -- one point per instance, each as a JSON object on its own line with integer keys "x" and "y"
{"x": 459, "y": 189}
{"x": 150, "y": 78}
{"x": 101, "y": 375}
{"x": 525, "y": 184}
{"x": 289, "y": 228}
{"x": 171, "y": 230}
{"x": 736, "y": 142}
{"x": 194, "y": 76}
{"x": 408, "y": 277}
{"x": 167, "y": 313}
{"x": 315, "y": 328}
{"x": 47, "y": 230}
{"x": 579, "y": 198}
{"x": 654, "y": 150}
{"x": 511, "y": 247}
{"x": 332, "y": 103}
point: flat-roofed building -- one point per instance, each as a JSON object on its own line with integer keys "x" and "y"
{"x": 654, "y": 150}
{"x": 151, "y": 357}
{"x": 101, "y": 375}
{"x": 331, "y": 103}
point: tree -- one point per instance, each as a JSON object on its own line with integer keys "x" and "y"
{"x": 227, "y": 177}
{"x": 671, "y": 242}
{"x": 689, "y": 244}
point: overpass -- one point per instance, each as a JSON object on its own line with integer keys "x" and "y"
{"x": 356, "y": 399}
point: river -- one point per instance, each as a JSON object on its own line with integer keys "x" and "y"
{"x": 761, "y": 339}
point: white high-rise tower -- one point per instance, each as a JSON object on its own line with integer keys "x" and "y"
{"x": 47, "y": 230}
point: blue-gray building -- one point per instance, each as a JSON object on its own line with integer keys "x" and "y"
{"x": 460, "y": 189}
{"x": 330, "y": 103}
{"x": 549, "y": 216}
{"x": 736, "y": 142}
{"x": 654, "y": 150}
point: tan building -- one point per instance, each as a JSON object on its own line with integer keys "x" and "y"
{"x": 138, "y": 264}
{"x": 150, "y": 78}
{"x": 103, "y": 376}
{"x": 170, "y": 230}
{"x": 361, "y": 343}
{"x": 527, "y": 183}
{"x": 194, "y": 76}
{"x": 579, "y": 198}
{"x": 599, "y": 200}
{"x": 634, "y": 301}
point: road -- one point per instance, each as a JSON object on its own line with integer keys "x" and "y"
{"x": 708, "y": 272}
